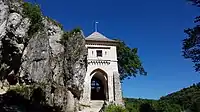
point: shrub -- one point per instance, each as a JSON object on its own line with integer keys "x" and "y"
{"x": 33, "y": 12}
{"x": 115, "y": 108}
{"x": 23, "y": 90}
{"x": 70, "y": 34}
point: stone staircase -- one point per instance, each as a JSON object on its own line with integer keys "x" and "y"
{"x": 95, "y": 106}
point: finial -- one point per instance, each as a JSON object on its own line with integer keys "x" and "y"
{"x": 96, "y": 26}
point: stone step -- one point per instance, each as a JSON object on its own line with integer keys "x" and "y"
{"x": 95, "y": 106}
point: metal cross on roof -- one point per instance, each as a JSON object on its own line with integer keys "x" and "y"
{"x": 96, "y": 26}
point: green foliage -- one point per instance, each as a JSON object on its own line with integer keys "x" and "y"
{"x": 115, "y": 108}
{"x": 139, "y": 105}
{"x": 70, "y": 34}
{"x": 145, "y": 105}
{"x": 23, "y": 90}
{"x": 33, "y": 12}
{"x": 195, "y": 107}
{"x": 187, "y": 98}
{"x": 33, "y": 92}
{"x": 128, "y": 61}
{"x": 195, "y": 2}
{"x": 191, "y": 45}
{"x": 13, "y": 101}
{"x": 167, "y": 107}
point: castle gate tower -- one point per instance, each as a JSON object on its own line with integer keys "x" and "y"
{"x": 102, "y": 80}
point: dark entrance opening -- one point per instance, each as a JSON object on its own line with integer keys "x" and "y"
{"x": 97, "y": 89}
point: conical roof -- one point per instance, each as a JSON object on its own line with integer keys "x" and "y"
{"x": 96, "y": 36}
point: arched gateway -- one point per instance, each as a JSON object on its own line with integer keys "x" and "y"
{"x": 99, "y": 85}
{"x": 102, "y": 80}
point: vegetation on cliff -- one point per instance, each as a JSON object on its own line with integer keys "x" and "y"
{"x": 33, "y": 12}
{"x": 45, "y": 73}
{"x": 12, "y": 101}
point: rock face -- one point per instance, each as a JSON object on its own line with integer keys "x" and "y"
{"x": 58, "y": 70}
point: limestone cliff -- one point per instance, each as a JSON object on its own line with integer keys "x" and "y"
{"x": 36, "y": 51}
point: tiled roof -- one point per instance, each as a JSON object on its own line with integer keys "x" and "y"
{"x": 96, "y": 36}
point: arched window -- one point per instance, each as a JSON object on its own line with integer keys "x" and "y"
{"x": 95, "y": 85}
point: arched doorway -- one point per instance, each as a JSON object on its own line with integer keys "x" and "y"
{"x": 99, "y": 85}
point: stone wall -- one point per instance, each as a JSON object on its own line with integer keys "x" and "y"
{"x": 117, "y": 89}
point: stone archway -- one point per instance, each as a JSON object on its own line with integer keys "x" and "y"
{"x": 99, "y": 85}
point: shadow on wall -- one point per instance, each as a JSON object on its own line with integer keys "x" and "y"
{"x": 14, "y": 102}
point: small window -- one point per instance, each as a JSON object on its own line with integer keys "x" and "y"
{"x": 99, "y": 53}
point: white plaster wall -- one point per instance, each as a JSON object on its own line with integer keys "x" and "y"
{"x": 111, "y": 52}
{"x": 109, "y": 72}
{"x": 111, "y": 56}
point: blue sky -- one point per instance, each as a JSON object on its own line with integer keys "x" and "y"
{"x": 154, "y": 27}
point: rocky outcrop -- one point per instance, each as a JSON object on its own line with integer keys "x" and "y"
{"x": 13, "y": 33}
{"x": 41, "y": 59}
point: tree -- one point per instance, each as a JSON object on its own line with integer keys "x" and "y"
{"x": 195, "y": 2}
{"x": 187, "y": 98}
{"x": 191, "y": 45}
{"x": 128, "y": 61}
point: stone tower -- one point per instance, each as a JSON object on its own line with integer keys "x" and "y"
{"x": 102, "y": 82}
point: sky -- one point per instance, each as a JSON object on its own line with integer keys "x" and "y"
{"x": 155, "y": 27}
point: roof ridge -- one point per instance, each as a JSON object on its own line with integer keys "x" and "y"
{"x": 97, "y": 33}
{"x": 96, "y": 36}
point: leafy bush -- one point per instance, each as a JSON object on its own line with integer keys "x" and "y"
{"x": 167, "y": 107}
{"x": 23, "y": 90}
{"x": 12, "y": 101}
{"x": 33, "y": 12}
{"x": 129, "y": 63}
{"x": 115, "y": 108}
{"x": 69, "y": 34}
{"x": 185, "y": 99}
{"x": 146, "y": 105}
